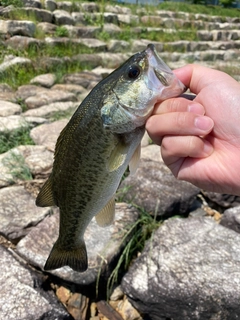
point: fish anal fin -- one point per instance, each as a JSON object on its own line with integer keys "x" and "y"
{"x": 45, "y": 196}
{"x": 117, "y": 157}
{"x": 76, "y": 257}
{"x": 106, "y": 216}
{"x": 134, "y": 162}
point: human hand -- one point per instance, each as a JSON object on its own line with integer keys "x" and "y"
{"x": 201, "y": 149}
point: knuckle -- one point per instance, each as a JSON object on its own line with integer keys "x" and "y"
{"x": 175, "y": 104}
{"x": 181, "y": 119}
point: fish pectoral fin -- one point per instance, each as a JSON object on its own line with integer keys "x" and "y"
{"x": 117, "y": 157}
{"x": 75, "y": 257}
{"x": 134, "y": 162}
{"x": 106, "y": 216}
{"x": 45, "y": 196}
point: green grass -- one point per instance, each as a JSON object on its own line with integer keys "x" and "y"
{"x": 127, "y": 34}
{"x": 11, "y": 139}
{"x": 61, "y": 31}
{"x": 189, "y": 8}
{"x": 15, "y": 3}
{"x": 17, "y": 167}
{"x": 20, "y": 75}
{"x": 134, "y": 241}
{"x": 197, "y": 8}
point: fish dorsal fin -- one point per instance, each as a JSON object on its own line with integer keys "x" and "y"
{"x": 45, "y": 196}
{"x": 117, "y": 157}
{"x": 134, "y": 162}
{"x": 106, "y": 216}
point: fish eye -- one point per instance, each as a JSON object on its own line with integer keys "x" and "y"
{"x": 133, "y": 72}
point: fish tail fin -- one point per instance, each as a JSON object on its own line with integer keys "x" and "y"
{"x": 75, "y": 257}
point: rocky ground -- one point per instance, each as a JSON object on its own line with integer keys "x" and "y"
{"x": 189, "y": 267}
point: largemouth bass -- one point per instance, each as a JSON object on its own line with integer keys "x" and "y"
{"x": 94, "y": 149}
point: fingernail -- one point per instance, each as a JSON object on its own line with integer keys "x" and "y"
{"x": 203, "y": 123}
{"x": 208, "y": 148}
{"x": 196, "y": 108}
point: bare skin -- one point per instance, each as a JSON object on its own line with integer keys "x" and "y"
{"x": 200, "y": 139}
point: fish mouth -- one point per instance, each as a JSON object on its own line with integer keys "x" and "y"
{"x": 160, "y": 71}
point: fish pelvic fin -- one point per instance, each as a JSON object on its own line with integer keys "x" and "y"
{"x": 117, "y": 157}
{"x": 134, "y": 162}
{"x": 45, "y": 196}
{"x": 106, "y": 216}
{"x": 75, "y": 257}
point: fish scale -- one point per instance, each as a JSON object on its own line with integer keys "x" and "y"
{"x": 93, "y": 151}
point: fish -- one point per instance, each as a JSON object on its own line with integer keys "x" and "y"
{"x": 95, "y": 148}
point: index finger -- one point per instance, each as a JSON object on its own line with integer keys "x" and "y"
{"x": 197, "y": 77}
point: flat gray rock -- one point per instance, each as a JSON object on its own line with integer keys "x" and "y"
{"x": 90, "y": 7}
{"x": 62, "y": 17}
{"x": 154, "y": 188}
{"x": 38, "y": 159}
{"x": 35, "y": 121}
{"x": 23, "y": 42}
{"x": 222, "y": 200}
{"x": 13, "y": 122}
{"x": 23, "y": 162}
{"x": 118, "y": 9}
{"x": 45, "y": 80}
{"x": 4, "y": 87}
{"x": 21, "y": 298}
{"x": 103, "y": 72}
{"x": 47, "y": 97}
{"x": 18, "y": 298}
{"x": 83, "y": 79}
{"x": 18, "y": 212}
{"x": 40, "y": 15}
{"x": 112, "y": 29}
{"x": 8, "y": 108}
{"x": 139, "y": 45}
{"x": 14, "y": 62}
{"x": 28, "y": 90}
{"x": 83, "y": 31}
{"x": 47, "y": 134}
{"x": 51, "y": 109}
{"x": 12, "y": 27}
{"x": 189, "y": 270}
{"x": 151, "y": 152}
{"x": 113, "y": 60}
{"x": 103, "y": 244}
{"x": 118, "y": 45}
{"x": 74, "y": 88}
{"x": 47, "y": 27}
{"x": 231, "y": 219}
{"x": 128, "y": 19}
{"x": 96, "y": 45}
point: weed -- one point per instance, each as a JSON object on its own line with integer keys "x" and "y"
{"x": 21, "y": 14}
{"x": 104, "y": 36}
{"x": 134, "y": 240}
{"x": 121, "y": 192}
{"x": 11, "y": 139}
{"x": 127, "y": 34}
{"x": 15, "y": 3}
{"x": 197, "y": 8}
{"x": 22, "y": 104}
{"x": 61, "y": 31}
{"x": 18, "y": 169}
